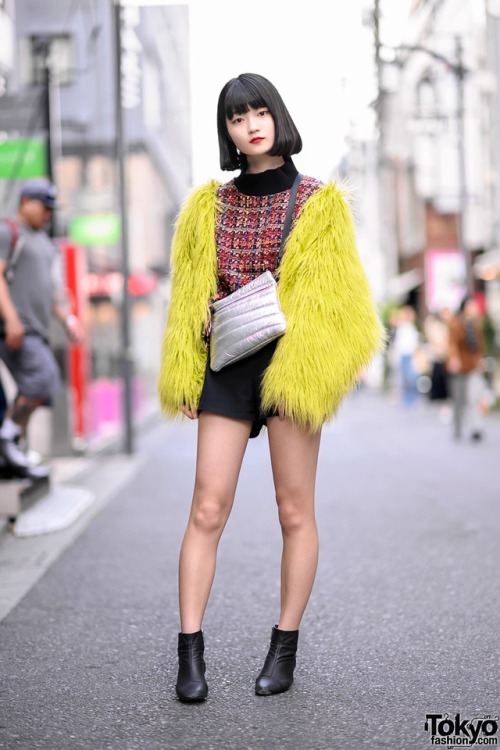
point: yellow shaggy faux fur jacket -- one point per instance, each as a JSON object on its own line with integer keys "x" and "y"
{"x": 333, "y": 330}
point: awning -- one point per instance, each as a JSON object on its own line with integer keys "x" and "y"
{"x": 399, "y": 286}
{"x": 487, "y": 265}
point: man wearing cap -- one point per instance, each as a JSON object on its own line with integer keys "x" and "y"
{"x": 30, "y": 292}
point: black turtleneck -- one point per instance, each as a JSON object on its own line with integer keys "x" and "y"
{"x": 269, "y": 182}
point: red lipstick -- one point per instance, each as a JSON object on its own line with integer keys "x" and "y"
{"x": 256, "y": 140}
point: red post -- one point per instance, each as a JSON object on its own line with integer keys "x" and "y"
{"x": 75, "y": 269}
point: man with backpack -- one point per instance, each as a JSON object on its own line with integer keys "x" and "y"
{"x": 31, "y": 291}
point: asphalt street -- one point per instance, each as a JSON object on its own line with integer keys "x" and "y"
{"x": 403, "y": 621}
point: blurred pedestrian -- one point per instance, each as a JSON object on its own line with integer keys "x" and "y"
{"x": 3, "y": 403}
{"x": 30, "y": 291}
{"x": 465, "y": 364}
{"x": 405, "y": 345}
{"x": 436, "y": 331}
{"x": 6, "y": 468}
{"x": 227, "y": 235}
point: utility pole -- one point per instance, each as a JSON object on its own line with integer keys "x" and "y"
{"x": 493, "y": 26}
{"x": 459, "y": 71}
{"x": 48, "y": 114}
{"x": 386, "y": 224}
{"x": 378, "y": 70}
{"x": 43, "y": 49}
{"x": 126, "y": 352}
{"x": 380, "y": 147}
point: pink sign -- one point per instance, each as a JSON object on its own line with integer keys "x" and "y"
{"x": 445, "y": 279}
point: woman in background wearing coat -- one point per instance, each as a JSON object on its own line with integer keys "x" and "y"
{"x": 227, "y": 234}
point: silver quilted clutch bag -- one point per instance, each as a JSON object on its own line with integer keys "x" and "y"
{"x": 245, "y": 321}
{"x": 251, "y": 317}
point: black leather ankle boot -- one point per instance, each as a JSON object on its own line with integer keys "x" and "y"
{"x": 277, "y": 672}
{"x": 191, "y": 683}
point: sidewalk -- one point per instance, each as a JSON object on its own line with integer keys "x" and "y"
{"x": 80, "y": 487}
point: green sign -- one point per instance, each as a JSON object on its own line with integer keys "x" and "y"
{"x": 95, "y": 229}
{"x": 23, "y": 158}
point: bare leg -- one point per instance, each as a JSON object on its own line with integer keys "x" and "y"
{"x": 294, "y": 458}
{"x": 475, "y": 392}
{"x": 221, "y": 446}
{"x": 21, "y": 411}
{"x": 459, "y": 393}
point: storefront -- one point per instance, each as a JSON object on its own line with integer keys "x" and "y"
{"x": 95, "y": 370}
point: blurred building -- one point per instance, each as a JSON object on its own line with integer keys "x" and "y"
{"x": 439, "y": 124}
{"x": 6, "y": 43}
{"x": 67, "y": 48}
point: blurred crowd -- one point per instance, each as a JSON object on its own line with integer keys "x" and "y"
{"x": 443, "y": 358}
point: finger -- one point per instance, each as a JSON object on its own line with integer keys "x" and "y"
{"x": 190, "y": 413}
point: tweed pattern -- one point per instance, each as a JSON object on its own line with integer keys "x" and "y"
{"x": 248, "y": 231}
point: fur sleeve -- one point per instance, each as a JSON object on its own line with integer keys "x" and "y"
{"x": 333, "y": 330}
{"x": 194, "y": 282}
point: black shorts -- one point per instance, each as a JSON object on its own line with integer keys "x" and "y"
{"x": 235, "y": 390}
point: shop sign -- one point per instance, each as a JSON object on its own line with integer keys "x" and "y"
{"x": 23, "y": 158}
{"x": 445, "y": 279}
{"x": 140, "y": 284}
{"x": 95, "y": 229}
{"x": 131, "y": 58}
{"x": 6, "y": 41}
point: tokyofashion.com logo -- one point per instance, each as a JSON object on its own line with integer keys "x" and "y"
{"x": 453, "y": 731}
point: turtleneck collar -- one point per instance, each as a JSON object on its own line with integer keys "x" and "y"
{"x": 269, "y": 182}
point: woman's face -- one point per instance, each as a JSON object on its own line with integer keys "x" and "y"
{"x": 252, "y": 132}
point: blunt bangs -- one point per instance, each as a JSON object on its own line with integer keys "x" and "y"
{"x": 239, "y": 95}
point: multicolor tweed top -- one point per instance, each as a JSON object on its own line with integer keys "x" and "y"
{"x": 250, "y": 222}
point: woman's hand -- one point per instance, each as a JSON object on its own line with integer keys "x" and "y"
{"x": 189, "y": 412}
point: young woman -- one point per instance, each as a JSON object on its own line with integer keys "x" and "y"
{"x": 228, "y": 234}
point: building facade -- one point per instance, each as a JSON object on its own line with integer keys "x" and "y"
{"x": 440, "y": 144}
{"x": 6, "y": 43}
{"x": 66, "y": 49}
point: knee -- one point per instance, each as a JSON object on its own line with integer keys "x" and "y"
{"x": 294, "y": 512}
{"x": 209, "y": 514}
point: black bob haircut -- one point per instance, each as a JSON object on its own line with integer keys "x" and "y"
{"x": 240, "y": 94}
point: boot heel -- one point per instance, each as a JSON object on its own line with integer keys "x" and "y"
{"x": 191, "y": 683}
{"x": 277, "y": 672}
